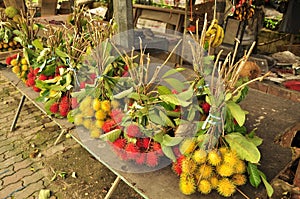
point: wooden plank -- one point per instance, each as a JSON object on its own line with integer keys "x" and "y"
{"x": 3, "y": 55}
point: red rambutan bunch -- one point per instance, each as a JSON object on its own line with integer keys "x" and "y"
{"x": 152, "y": 159}
{"x": 177, "y": 166}
{"x": 133, "y": 130}
{"x": 141, "y": 158}
{"x": 206, "y": 107}
{"x": 132, "y": 151}
{"x": 64, "y": 106}
{"x": 117, "y": 115}
{"x": 54, "y": 107}
{"x": 120, "y": 143}
{"x": 109, "y": 125}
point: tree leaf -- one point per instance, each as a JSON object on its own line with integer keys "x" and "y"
{"x": 60, "y": 53}
{"x": 123, "y": 93}
{"x": 173, "y": 99}
{"x": 237, "y": 112}
{"x": 175, "y": 83}
{"x": 168, "y": 152}
{"x": 255, "y": 140}
{"x": 112, "y": 135}
{"x": 172, "y": 71}
{"x": 254, "y": 176}
{"x": 171, "y": 141}
{"x": 167, "y": 121}
{"x": 186, "y": 95}
{"x": 38, "y": 44}
{"x": 269, "y": 188}
{"x": 244, "y": 148}
{"x": 163, "y": 90}
{"x": 154, "y": 117}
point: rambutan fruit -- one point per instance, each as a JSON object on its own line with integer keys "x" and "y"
{"x": 115, "y": 104}
{"x": 176, "y": 166}
{"x": 100, "y": 115}
{"x": 74, "y": 102}
{"x": 214, "y": 181}
{"x": 204, "y": 171}
{"x": 85, "y": 103}
{"x": 82, "y": 85}
{"x": 8, "y": 60}
{"x": 99, "y": 123}
{"x": 143, "y": 143}
{"x": 187, "y": 146}
{"x": 54, "y": 108}
{"x": 132, "y": 130}
{"x": 214, "y": 158}
{"x": 223, "y": 150}
{"x": 204, "y": 186}
{"x": 226, "y": 187}
{"x": 36, "y": 71}
{"x": 36, "y": 89}
{"x": 105, "y": 105}
{"x": 239, "y": 179}
{"x": 117, "y": 115}
{"x": 131, "y": 150}
{"x": 240, "y": 166}
{"x": 188, "y": 165}
{"x": 199, "y": 156}
{"x": 141, "y": 159}
{"x": 78, "y": 119}
{"x": 64, "y": 108}
{"x": 108, "y": 125}
{"x": 95, "y": 133}
{"x": 87, "y": 123}
{"x": 152, "y": 159}
{"x": 30, "y": 76}
{"x": 30, "y": 82}
{"x": 225, "y": 170}
{"x": 43, "y": 77}
{"x": 230, "y": 157}
{"x": 157, "y": 148}
{"x": 120, "y": 143}
{"x": 96, "y": 104}
{"x": 187, "y": 184}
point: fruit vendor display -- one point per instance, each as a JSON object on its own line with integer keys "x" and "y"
{"x": 19, "y": 66}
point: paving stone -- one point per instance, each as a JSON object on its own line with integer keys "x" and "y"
{"x": 10, "y": 161}
{"x": 26, "y": 163}
{"x": 30, "y": 190}
{"x": 34, "y": 177}
{"x": 17, "y": 176}
{"x": 7, "y": 191}
{"x": 5, "y": 148}
{"x": 6, "y": 171}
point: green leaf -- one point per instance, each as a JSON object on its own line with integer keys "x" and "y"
{"x": 60, "y": 53}
{"x": 171, "y": 98}
{"x": 171, "y": 141}
{"x": 112, "y": 135}
{"x": 254, "y": 176}
{"x": 154, "y": 117}
{"x": 123, "y": 93}
{"x": 244, "y": 148}
{"x": 163, "y": 90}
{"x": 237, "y": 112}
{"x": 175, "y": 83}
{"x": 168, "y": 152}
{"x": 38, "y": 44}
{"x": 228, "y": 96}
{"x": 167, "y": 121}
{"x": 269, "y": 188}
{"x": 255, "y": 140}
{"x": 186, "y": 95}
{"x": 172, "y": 71}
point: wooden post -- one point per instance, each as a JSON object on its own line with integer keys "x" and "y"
{"x": 123, "y": 17}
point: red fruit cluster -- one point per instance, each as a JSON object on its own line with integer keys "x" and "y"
{"x": 144, "y": 151}
{"x": 177, "y": 166}
{"x": 31, "y": 77}
{"x": 8, "y": 59}
{"x": 117, "y": 115}
{"x": 133, "y": 130}
{"x": 64, "y": 106}
{"x": 54, "y": 107}
{"x": 109, "y": 125}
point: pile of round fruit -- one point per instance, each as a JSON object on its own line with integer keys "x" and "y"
{"x": 19, "y": 66}
{"x": 220, "y": 169}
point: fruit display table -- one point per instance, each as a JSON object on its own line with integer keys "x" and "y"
{"x": 270, "y": 119}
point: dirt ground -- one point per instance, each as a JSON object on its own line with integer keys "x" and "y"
{"x": 74, "y": 173}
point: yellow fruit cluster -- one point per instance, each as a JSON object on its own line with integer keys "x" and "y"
{"x": 219, "y": 169}
{"x": 20, "y": 67}
{"x": 11, "y": 45}
{"x": 214, "y": 34}
{"x": 91, "y": 114}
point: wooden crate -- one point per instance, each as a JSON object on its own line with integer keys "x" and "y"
{"x": 3, "y": 55}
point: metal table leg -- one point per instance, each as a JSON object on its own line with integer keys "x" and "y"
{"x": 13, "y": 125}
{"x": 113, "y": 187}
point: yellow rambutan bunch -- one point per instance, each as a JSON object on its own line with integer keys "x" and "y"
{"x": 230, "y": 157}
{"x": 187, "y": 146}
{"x": 214, "y": 181}
{"x": 187, "y": 184}
{"x": 225, "y": 170}
{"x": 204, "y": 171}
{"x": 239, "y": 179}
{"x": 223, "y": 150}
{"x": 214, "y": 158}
{"x": 204, "y": 186}
{"x": 226, "y": 187}
{"x": 188, "y": 165}
{"x": 199, "y": 156}
{"x": 240, "y": 166}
